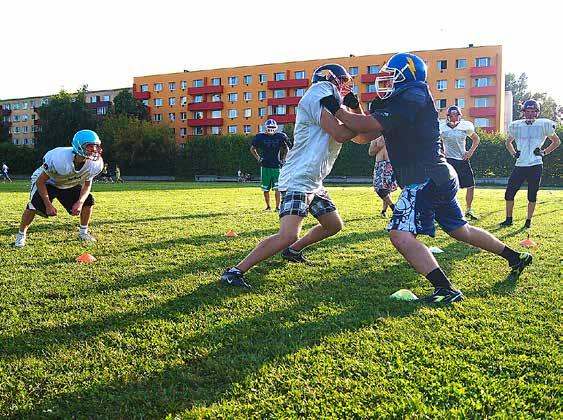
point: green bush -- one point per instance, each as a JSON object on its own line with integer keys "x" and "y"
{"x": 22, "y": 160}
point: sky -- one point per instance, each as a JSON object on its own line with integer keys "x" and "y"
{"x": 49, "y": 45}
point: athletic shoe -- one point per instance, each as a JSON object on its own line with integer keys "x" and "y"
{"x": 234, "y": 278}
{"x": 528, "y": 224}
{"x": 383, "y": 213}
{"x": 443, "y": 295}
{"x": 277, "y": 210}
{"x": 525, "y": 260}
{"x": 294, "y": 257}
{"x": 268, "y": 209}
{"x": 20, "y": 240}
{"x": 470, "y": 215}
{"x": 86, "y": 237}
{"x": 506, "y": 223}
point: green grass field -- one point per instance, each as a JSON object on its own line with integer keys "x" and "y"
{"x": 148, "y": 331}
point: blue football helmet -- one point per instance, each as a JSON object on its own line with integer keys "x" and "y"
{"x": 87, "y": 144}
{"x": 335, "y": 74}
{"x": 271, "y": 126}
{"x": 531, "y": 110}
{"x": 401, "y": 68}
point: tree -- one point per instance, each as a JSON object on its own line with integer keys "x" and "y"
{"x": 4, "y": 131}
{"x": 519, "y": 88}
{"x": 125, "y": 104}
{"x": 288, "y": 130}
{"x": 65, "y": 114}
{"x": 548, "y": 105}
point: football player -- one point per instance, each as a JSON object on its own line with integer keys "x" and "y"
{"x": 529, "y": 133}
{"x": 409, "y": 121}
{"x": 384, "y": 182}
{"x": 454, "y": 133}
{"x": 270, "y": 145}
{"x": 66, "y": 174}
{"x": 5, "y": 175}
{"x": 318, "y": 140}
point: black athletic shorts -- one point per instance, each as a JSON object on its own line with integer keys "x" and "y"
{"x": 67, "y": 197}
{"x": 464, "y": 172}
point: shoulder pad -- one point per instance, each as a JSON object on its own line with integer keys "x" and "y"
{"x": 414, "y": 94}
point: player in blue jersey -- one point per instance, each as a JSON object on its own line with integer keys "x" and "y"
{"x": 270, "y": 145}
{"x": 408, "y": 119}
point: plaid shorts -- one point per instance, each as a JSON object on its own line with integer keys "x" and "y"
{"x": 298, "y": 203}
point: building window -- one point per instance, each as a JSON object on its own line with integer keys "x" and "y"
{"x": 232, "y": 129}
{"x": 442, "y": 64}
{"x": 171, "y": 101}
{"x": 6, "y": 107}
{"x": 279, "y": 93}
{"x": 442, "y": 84}
{"x": 482, "y": 82}
{"x": 145, "y": 102}
{"x": 461, "y": 63}
{"x": 32, "y": 104}
{"x": 183, "y": 100}
{"x": 353, "y": 71}
{"x": 216, "y": 114}
{"x": 262, "y": 95}
{"x": 280, "y": 110}
{"x": 216, "y": 98}
{"x": 233, "y": 97}
{"x": 299, "y": 92}
{"x": 441, "y": 103}
{"x": 373, "y": 69}
{"x": 106, "y": 98}
{"x": 300, "y": 74}
{"x": 483, "y": 62}
{"x": 460, "y": 83}
{"x": 144, "y": 88}
{"x": 25, "y": 129}
{"x": 261, "y": 112}
{"x": 102, "y": 110}
{"x": 372, "y": 88}
{"x": 481, "y": 102}
{"x": 197, "y": 131}
{"x": 158, "y": 117}
{"x": 279, "y": 76}
{"x": 233, "y": 80}
{"x": 183, "y": 131}
{"x": 171, "y": 86}
{"x": 247, "y": 96}
{"x": 246, "y": 129}
{"x": 216, "y": 81}
{"x": 460, "y": 102}
{"x": 157, "y": 102}
{"x": 157, "y": 87}
{"x": 183, "y": 116}
{"x": 197, "y": 115}
{"x": 263, "y": 78}
{"x": 172, "y": 116}
{"x": 45, "y": 101}
{"x": 233, "y": 113}
{"x": 183, "y": 85}
{"x": 198, "y": 83}
{"x": 247, "y": 113}
{"x": 355, "y": 89}
{"x": 93, "y": 99}
{"x": 198, "y": 99}
{"x": 215, "y": 130}
{"x": 247, "y": 79}
{"x": 481, "y": 122}
{"x": 24, "y": 105}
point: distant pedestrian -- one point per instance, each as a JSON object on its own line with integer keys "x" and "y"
{"x": 5, "y": 173}
{"x": 118, "y": 174}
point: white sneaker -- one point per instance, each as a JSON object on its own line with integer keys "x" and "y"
{"x": 86, "y": 237}
{"x": 20, "y": 240}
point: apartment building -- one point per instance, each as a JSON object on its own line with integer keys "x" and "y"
{"x": 240, "y": 99}
{"x": 21, "y": 113}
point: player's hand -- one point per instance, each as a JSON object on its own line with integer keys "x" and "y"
{"x": 76, "y": 208}
{"x": 331, "y": 104}
{"x": 260, "y": 159}
{"x": 539, "y": 152}
{"x": 516, "y": 155}
{"x": 50, "y": 210}
{"x": 351, "y": 101}
{"x": 467, "y": 155}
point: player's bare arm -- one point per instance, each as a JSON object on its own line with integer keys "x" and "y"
{"x": 555, "y": 142}
{"x": 42, "y": 188}
{"x": 475, "y": 140}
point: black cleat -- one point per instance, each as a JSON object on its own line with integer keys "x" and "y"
{"x": 234, "y": 278}
{"x": 506, "y": 223}
{"x": 294, "y": 257}
{"x": 525, "y": 260}
{"x": 470, "y": 215}
{"x": 444, "y": 295}
{"x": 528, "y": 224}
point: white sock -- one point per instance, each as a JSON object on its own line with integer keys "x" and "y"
{"x": 83, "y": 229}
{"x": 23, "y": 233}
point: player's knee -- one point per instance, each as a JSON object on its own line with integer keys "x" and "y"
{"x": 532, "y": 196}
{"x": 399, "y": 239}
{"x": 509, "y": 195}
{"x": 287, "y": 238}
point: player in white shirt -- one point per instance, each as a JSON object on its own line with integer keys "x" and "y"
{"x": 318, "y": 140}
{"x": 454, "y": 133}
{"x": 5, "y": 172}
{"x": 529, "y": 133}
{"x": 66, "y": 174}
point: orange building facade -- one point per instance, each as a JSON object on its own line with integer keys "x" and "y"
{"x": 239, "y": 100}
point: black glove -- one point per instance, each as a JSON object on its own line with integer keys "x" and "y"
{"x": 351, "y": 100}
{"x": 331, "y": 104}
{"x": 517, "y": 154}
{"x": 539, "y": 152}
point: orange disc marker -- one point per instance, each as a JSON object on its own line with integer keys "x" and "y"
{"x": 85, "y": 258}
{"x": 231, "y": 233}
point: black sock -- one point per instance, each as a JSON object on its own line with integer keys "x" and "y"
{"x": 509, "y": 219}
{"x": 392, "y": 206}
{"x": 510, "y": 255}
{"x": 439, "y": 279}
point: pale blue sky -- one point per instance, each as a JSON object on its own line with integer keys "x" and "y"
{"x": 63, "y": 43}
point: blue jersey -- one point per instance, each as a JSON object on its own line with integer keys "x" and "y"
{"x": 270, "y": 146}
{"x": 412, "y": 136}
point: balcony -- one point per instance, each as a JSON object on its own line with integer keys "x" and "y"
{"x": 486, "y": 111}
{"x": 483, "y": 71}
{"x": 488, "y": 129}
{"x": 205, "y": 106}
{"x": 368, "y": 97}
{"x": 98, "y": 104}
{"x": 205, "y": 89}
{"x": 6, "y": 111}
{"x": 288, "y": 84}
{"x": 283, "y": 119}
{"x": 290, "y": 100}
{"x": 141, "y": 95}
{"x": 483, "y": 91}
{"x": 205, "y": 122}
{"x": 368, "y": 78}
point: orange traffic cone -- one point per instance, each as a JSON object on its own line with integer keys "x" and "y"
{"x": 85, "y": 258}
{"x": 231, "y": 233}
{"x": 528, "y": 242}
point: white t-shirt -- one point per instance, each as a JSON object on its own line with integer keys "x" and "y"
{"x": 4, "y": 168}
{"x": 59, "y": 165}
{"x": 528, "y": 137}
{"x": 454, "y": 138}
{"x": 314, "y": 151}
